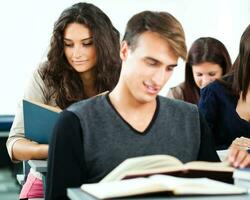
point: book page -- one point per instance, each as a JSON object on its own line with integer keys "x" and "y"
{"x": 160, "y": 183}
{"x": 141, "y": 164}
{"x": 210, "y": 166}
{"x": 191, "y": 186}
{"x": 123, "y": 188}
{"x": 223, "y": 154}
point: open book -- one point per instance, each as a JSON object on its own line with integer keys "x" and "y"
{"x": 160, "y": 184}
{"x": 164, "y": 164}
{"x": 39, "y": 121}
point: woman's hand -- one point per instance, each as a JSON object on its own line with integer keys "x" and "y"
{"x": 241, "y": 142}
{"x": 238, "y": 157}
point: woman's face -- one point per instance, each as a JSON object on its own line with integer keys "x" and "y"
{"x": 79, "y": 48}
{"x": 205, "y": 73}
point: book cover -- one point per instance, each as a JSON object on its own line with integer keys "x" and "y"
{"x": 39, "y": 121}
{"x": 165, "y": 164}
{"x": 160, "y": 184}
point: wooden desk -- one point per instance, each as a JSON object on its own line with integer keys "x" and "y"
{"x": 78, "y": 194}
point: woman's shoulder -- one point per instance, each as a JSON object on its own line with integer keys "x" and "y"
{"x": 176, "y": 92}
{"x": 220, "y": 85}
{"x": 219, "y": 89}
{"x": 38, "y": 71}
{"x": 214, "y": 86}
{"x": 36, "y": 89}
{"x": 179, "y": 87}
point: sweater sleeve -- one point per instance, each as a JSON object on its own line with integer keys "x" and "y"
{"x": 207, "y": 151}
{"x": 66, "y": 157}
{"x": 35, "y": 91}
{"x": 208, "y": 106}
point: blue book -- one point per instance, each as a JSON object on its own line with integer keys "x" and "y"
{"x": 39, "y": 121}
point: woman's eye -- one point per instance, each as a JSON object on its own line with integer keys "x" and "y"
{"x": 68, "y": 45}
{"x": 87, "y": 43}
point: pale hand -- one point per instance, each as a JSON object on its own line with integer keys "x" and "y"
{"x": 242, "y": 142}
{"x": 238, "y": 157}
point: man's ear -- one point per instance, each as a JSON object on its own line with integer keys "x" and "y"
{"x": 124, "y": 50}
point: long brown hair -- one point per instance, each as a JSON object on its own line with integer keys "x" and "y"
{"x": 65, "y": 83}
{"x": 204, "y": 49}
{"x": 241, "y": 66}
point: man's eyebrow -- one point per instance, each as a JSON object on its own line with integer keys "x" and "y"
{"x": 66, "y": 39}
{"x": 172, "y": 65}
{"x": 152, "y": 59}
{"x": 157, "y": 61}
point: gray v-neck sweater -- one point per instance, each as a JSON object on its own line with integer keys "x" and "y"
{"x": 91, "y": 138}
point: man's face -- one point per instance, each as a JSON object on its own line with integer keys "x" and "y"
{"x": 147, "y": 67}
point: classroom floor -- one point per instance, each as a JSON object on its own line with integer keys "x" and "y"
{"x": 9, "y": 188}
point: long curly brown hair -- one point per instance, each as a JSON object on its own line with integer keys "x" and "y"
{"x": 58, "y": 75}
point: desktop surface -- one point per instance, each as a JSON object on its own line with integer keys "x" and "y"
{"x": 78, "y": 194}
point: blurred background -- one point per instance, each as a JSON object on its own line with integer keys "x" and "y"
{"x": 26, "y": 28}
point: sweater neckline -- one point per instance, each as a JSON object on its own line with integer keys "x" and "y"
{"x": 156, "y": 112}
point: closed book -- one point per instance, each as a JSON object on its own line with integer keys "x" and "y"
{"x": 242, "y": 174}
{"x": 160, "y": 184}
{"x": 242, "y": 177}
{"x": 39, "y": 121}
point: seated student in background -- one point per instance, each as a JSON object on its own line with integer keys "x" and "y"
{"x": 78, "y": 66}
{"x": 93, "y": 136}
{"x": 226, "y": 103}
{"x": 207, "y": 60}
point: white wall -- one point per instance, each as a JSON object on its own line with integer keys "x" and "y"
{"x": 26, "y": 28}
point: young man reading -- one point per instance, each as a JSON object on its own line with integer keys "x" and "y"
{"x": 93, "y": 136}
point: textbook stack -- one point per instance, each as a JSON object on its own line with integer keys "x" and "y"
{"x": 242, "y": 178}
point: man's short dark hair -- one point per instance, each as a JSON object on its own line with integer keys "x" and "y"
{"x": 163, "y": 23}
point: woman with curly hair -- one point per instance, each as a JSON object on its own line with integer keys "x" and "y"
{"x": 83, "y": 61}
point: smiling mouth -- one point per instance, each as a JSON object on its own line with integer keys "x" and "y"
{"x": 151, "y": 89}
{"x": 80, "y": 62}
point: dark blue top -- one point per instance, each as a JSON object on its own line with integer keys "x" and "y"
{"x": 218, "y": 105}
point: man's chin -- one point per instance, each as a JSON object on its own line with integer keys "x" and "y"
{"x": 147, "y": 99}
